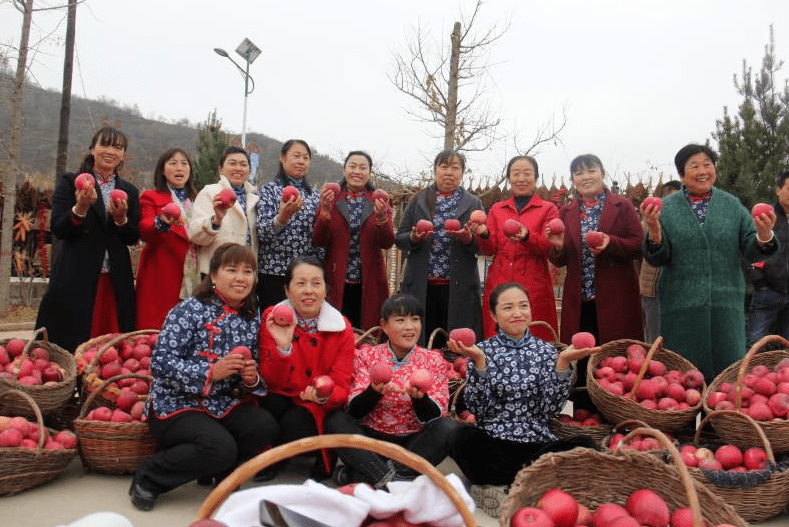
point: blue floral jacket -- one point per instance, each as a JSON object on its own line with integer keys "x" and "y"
{"x": 194, "y": 336}
{"x": 520, "y": 391}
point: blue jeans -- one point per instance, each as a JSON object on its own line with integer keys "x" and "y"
{"x": 768, "y": 307}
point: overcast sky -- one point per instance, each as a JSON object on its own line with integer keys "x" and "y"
{"x": 637, "y": 79}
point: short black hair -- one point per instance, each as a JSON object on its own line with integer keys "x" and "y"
{"x": 402, "y": 304}
{"x": 530, "y": 159}
{"x": 447, "y": 155}
{"x": 781, "y": 179}
{"x": 308, "y": 259}
{"x": 233, "y": 150}
{"x": 586, "y": 161}
{"x": 674, "y": 185}
{"x": 690, "y": 150}
{"x": 499, "y": 289}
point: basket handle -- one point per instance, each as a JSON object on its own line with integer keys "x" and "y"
{"x": 687, "y": 481}
{"x": 32, "y": 403}
{"x": 366, "y": 334}
{"x": 121, "y": 336}
{"x": 746, "y": 361}
{"x": 457, "y": 395}
{"x": 84, "y": 410}
{"x": 26, "y": 351}
{"x": 658, "y": 344}
{"x": 547, "y": 326}
{"x": 762, "y": 436}
{"x": 629, "y": 423}
{"x": 433, "y": 336}
{"x": 300, "y": 446}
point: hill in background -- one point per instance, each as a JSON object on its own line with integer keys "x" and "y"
{"x": 148, "y": 138}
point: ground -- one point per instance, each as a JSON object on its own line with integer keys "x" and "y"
{"x": 20, "y": 314}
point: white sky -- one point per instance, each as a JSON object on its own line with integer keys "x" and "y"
{"x": 638, "y": 79}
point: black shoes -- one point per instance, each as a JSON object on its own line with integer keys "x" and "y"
{"x": 141, "y": 498}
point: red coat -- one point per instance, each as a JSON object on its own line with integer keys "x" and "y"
{"x": 525, "y": 263}
{"x": 160, "y": 271}
{"x": 335, "y": 235}
{"x": 616, "y": 284}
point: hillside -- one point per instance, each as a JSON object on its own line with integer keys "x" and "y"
{"x": 147, "y": 138}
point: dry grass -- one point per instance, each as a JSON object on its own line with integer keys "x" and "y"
{"x": 20, "y": 314}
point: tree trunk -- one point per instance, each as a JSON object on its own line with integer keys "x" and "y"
{"x": 452, "y": 90}
{"x": 13, "y": 175}
{"x": 65, "y": 101}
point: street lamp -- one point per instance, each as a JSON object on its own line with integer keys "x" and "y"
{"x": 249, "y": 52}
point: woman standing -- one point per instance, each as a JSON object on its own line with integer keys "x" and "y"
{"x": 91, "y": 287}
{"x": 441, "y": 267}
{"x": 601, "y": 292}
{"x": 522, "y": 257}
{"x": 699, "y": 239}
{"x": 355, "y": 228}
{"x": 168, "y": 264}
{"x": 285, "y": 226}
{"x": 195, "y": 409}
{"x": 211, "y": 223}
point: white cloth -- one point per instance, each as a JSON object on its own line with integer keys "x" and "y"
{"x": 100, "y": 519}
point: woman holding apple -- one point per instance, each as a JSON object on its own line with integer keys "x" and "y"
{"x": 95, "y": 214}
{"x": 306, "y": 356}
{"x": 167, "y": 271}
{"x": 225, "y": 211}
{"x": 203, "y": 363}
{"x": 285, "y": 219}
{"x": 355, "y": 225}
{"x": 515, "y": 235}
{"x": 517, "y": 384}
{"x": 699, "y": 239}
{"x": 441, "y": 264}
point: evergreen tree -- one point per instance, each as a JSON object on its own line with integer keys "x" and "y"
{"x": 754, "y": 143}
{"x": 211, "y": 144}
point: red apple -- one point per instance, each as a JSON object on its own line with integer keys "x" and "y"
{"x": 333, "y": 186}
{"x": 760, "y": 412}
{"x": 118, "y": 195}
{"x": 468, "y": 417}
{"x": 126, "y": 399}
{"x": 137, "y": 410}
{"x": 764, "y": 386}
{"x": 683, "y": 518}
{"x": 619, "y": 364}
{"x": 648, "y": 508}
{"x": 421, "y": 380}
{"x": 761, "y": 208}
{"x": 67, "y": 439}
{"x": 652, "y": 201}
{"x": 109, "y": 355}
{"x": 171, "y": 211}
{"x": 465, "y": 336}
{"x": 560, "y": 507}
{"x": 102, "y": 413}
{"x": 754, "y": 458}
{"x": 593, "y": 239}
{"x": 424, "y": 227}
{"x": 624, "y": 521}
{"x": 779, "y": 404}
{"x": 282, "y": 314}
{"x": 119, "y": 416}
{"x": 556, "y": 226}
{"x": 227, "y": 198}
{"x": 15, "y": 347}
{"x": 606, "y": 513}
{"x": 583, "y": 340}
{"x": 84, "y": 181}
{"x": 584, "y": 516}
{"x": 729, "y": 456}
{"x": 452, "y": 225}
{"x": 530, "y": 517}
{"x": 111, "y": 370}
{"x": 668, "y": 404}
{"x": 243, "y": 351}
{"x": 52, "y": 374}
{"x": 290, "y": 192}
{"x": 380, "y": 193}
{"x": 478, "y": 216}
{"x": 380, "y": 373}
{"x": 139, "y": 387}
{"x": 635, "y": 351}
{"x": 656, "y": 367}
{"x": 324, "y": 386}
{"x": 11, "y": 437}
{"x": 511, "y": 227}
{"x": 690, "y": 459}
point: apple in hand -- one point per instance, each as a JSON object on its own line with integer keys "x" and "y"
{"x": 84, "y": 181}
{"x": 243, "y": 351}
{"x": 323, "y": 385}
{"x": 227, "y": 198}
{"x": 593, "y": 239}
{"x": 380, "y": 373}
{"x": 452, "y": 225}
{"x": 583, "y": 340}
{"x": 290, "y": 192}
{"x": 380, "y": 193}
{"x": 424, "y": 227}
{"x": 478, "y": 216}
{"x": 761, "y": 208}
{"x": 118, "y": 195}
{"x": 421, "y": 380}
{"x": 511, "y": 227}
{"x": 465, "y": 336}
{"x": 556, "y": 226}
{"x": 282, "y": 315}
{"x": 653, "y": 201}
{"x": 334, "y": 187}
{"x": 171, "y": 211}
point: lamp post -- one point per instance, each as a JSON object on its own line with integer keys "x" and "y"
{"x": 249, "y": 52}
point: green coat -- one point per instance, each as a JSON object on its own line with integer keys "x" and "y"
{"x": 702, "y": 287}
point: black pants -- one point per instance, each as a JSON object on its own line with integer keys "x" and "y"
{"x": 352, "y": 304}
{"x": 197, "y": 445}
{"x": 295, "y": 422}
{"x": 432, "y": 443}
{"x": 436, "y": 313}
{"x": 588, "y": 323}
{"x": 486, "y": 460}
{"x": 270, "y": 290}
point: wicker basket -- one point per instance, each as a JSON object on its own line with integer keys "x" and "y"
{"x": 372, "y": 336}
{"x": 91, "y": 376}
{"x": 294, "y": 448}
{"x": 594, "y": 478}
{"x": 48, "y": 397}
{"x": 627, "y": 426}
{"x": 616, "y": 408}
{"x": 23, "y": 468}
{"x": 113, "y": 448}
{"x": 565, "y": 431}
{"x": 738, "y": 431}
{"x": 758, "y": 502}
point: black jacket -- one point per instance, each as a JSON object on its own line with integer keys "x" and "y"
{"x": 775, "y": 273}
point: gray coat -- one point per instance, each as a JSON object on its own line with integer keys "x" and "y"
{"x": 465, "y": 309}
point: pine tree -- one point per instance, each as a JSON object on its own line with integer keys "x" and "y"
{"x": 211, "y": 144}
{"x": 754, "y": 143}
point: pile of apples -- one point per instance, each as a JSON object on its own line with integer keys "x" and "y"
{"x": 582, "y": 417}
{"x": 637, "y": 442}
{"x": 123, "y": 358}
{"x": 643, "y": 508}
{"x": 765, "y": 393}
{"x": 725, "y": 457}
{"x": 34, "y": 370}
{"x": 19, "y": 432}
{"x": 660, "y": 389}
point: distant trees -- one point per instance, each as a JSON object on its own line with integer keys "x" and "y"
{"x": 211, "y": 144}
{"x": 754, "y": 143}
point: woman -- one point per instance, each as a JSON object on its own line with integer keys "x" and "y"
{"x": 211, "y": 224}
{"x": 195, "y": 406}
{"x": 167, "y": 269}
{"x": 318, "y": 342}
{"x": 601, "y": 294}
{"x": 517, "y": 384}
{"x": 441, "y": 267}
{"x": 91, "y": 287}
{"x": 523, "y": 257}
{"x": 285, "y": 226}
{"x": 355, "y": 228}
{"x": 698, "y": 240}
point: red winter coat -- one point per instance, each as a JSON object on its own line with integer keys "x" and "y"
{"x": 335, "y": 235}
{"x": 617, "y": 296}
{"x": 525, "y": 263}
{"x": 160, "y": 271}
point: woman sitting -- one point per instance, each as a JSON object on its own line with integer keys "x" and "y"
{"x": 196, "y": 411}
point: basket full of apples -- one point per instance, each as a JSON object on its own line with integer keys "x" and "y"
{"x": 113, "y": 439}
{"x": 616, "y": 489}
{"x": 756, "y": 385}
{"x": 659, "y": 387}
{"x": 30, "y": 453}
{"x": 44, "y": 371}
{"x": 585, "y": 419}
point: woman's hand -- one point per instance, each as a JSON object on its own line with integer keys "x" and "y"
{"x": 414, "y": 393}
{"x": 419, "y": 237}
{"x": 327, "y": 199}
{"x": 478, "y": 229}
{"x": 219, "y": 210}
{"x": 282, "y": 335}
{"x": 571, "y": 354}
{"x": 382, "y": 210}
{"x": 249, "y": 373}
{"x": 521, "y": 236}
{"x": 555, "y": 239}
{"x": 764, "y": 224}
{"x": 464, "y": 235}
{"x": 227, "y": 366}
{"x": 84, "y": 199}
{"x": 117, "y": 210}
{"x": 385, "y": 387}
{"x": 288, "y": 208}
{"x": 309, "y": 394}
{"x": 472, "y": 352}
{"x": 651, "y": 216}
{"x": 602, "y": 247}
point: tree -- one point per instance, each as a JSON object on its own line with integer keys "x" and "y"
{"x": 754, "y": 143}
{"x": 211, "y": 144}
